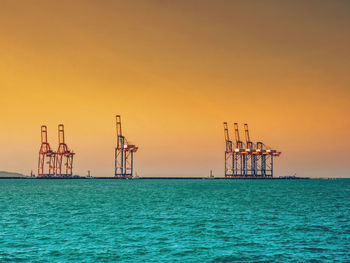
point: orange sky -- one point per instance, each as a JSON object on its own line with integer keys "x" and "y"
{"x": 175, "y": 70}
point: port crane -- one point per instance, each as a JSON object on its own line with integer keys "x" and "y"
{"x": 64, "y": 156}
{"x": 46, "y": 163}
{"x": 228, "y": 152}
{"x": 124, "y": 153}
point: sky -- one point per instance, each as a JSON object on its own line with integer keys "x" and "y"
{"x": 175, "y": 71}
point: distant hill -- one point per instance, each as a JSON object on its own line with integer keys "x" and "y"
{"x": 10, "y": 174}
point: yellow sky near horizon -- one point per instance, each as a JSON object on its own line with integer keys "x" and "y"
{"x": 175, "y": 70}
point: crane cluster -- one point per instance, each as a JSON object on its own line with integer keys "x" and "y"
{"x": 243, "y": 159}
{"x": 247, "y": 159}
{"x": 55, "y": 163}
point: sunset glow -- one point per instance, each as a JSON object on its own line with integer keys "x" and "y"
{"x": 175, "y": 71}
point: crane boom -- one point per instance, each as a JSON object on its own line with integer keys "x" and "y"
{"x": 227, "y": 138}
{"x": 236, "y": 132}
{"x": 249, "y": 143}
{"x": 60, "y": 134}
{"x": 246, "y": 131}
{"x": 43, "y": 134}
{"x": 120, "y": 138}
{"x": 239, "y": 143}
{"x": 119, "y": 125}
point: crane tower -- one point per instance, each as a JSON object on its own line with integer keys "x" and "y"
{"x": 64, "y": 156}
{"x": 46, "y": 163}
{"x": 228, "y": 153}
{"x": 124, "y": 154}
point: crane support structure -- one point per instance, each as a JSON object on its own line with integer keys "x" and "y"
{"x": 64, "y": 156}
{"x": 46, "y": 163}
{"x": 249, "y": 159}
{"x": 124, "y": 154}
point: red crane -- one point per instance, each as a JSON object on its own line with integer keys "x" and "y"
{"x": 64, "y": 156}
{"x": 46, "y": 163}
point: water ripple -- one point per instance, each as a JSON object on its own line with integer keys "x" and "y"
{"x": 174, "y": 220}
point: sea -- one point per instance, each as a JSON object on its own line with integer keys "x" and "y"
{"x": 169, "y": 220}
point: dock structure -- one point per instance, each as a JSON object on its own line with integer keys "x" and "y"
{"x": 124, "y": 154}
{"x": 247, "y": 159}
{"x": 53, "y": 164}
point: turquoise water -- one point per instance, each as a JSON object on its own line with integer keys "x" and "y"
{"x": 174, "y": 220}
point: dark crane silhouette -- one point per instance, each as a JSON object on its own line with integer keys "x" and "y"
{"x": 124, "y": 154}
{"x": 228, "y": 153}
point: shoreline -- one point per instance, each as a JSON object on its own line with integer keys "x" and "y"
{"x": 160, "y": 178}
